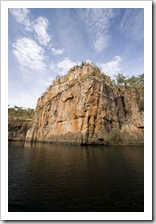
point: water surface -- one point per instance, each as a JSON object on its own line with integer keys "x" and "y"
{"x": 61, "y": 178}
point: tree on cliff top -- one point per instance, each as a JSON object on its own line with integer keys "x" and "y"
{"x": 121, "y": 79}
{"x": 131, "y": 81}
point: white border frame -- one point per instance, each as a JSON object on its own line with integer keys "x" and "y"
{"x": 147, "y": 214}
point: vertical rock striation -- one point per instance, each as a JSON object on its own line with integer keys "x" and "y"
{"x": 83, "y": 107}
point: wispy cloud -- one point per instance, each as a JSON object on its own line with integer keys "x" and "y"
{"x": 48, "y": 42}
{"x": 22, "y": 16}
{"x": 40, "y": 26}
{"x": 132, "y": 24}
{"x": 97, "y": 22}
{"x": 112, "y": 67}
{"x": 63, "y": 66}
{"x": 29, "y": 54}
{"x": 57, "y": 51}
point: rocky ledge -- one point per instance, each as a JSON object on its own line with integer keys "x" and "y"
{"x": 83, "y": 107}
{"x": 17, "y": 129}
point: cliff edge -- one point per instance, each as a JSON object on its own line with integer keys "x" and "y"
{"x": 83, "y": 107}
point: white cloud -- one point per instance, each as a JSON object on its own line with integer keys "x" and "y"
{"x": 132, "y": 24}
{"x": 101, "y": 43}
{"x": 97, "y": 22}
{"x": 40, "y": 26}
{"x": 62, "y": 67}
{"x": 22, "y": 16}
{"x": 22, "y": 98}
{"x": 112, "y": 67}
{"x": 57, "y": 51}
{"x": 29, "y": 54}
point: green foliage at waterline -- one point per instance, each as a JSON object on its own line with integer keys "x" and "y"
{"x": 114, "y": 137}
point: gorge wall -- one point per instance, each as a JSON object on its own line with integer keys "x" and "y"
{"x": 17, "y": 129}
{"x": 83, "y": 107}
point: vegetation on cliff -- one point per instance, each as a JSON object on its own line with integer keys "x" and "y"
{"x": 20, "y": 113}
{"x": 120, "y": 79}
{"x": 96, "y": 73}
{"x": 133, "y": 81}
{"x": 19, "y": 122}
{"x": 84, "y": 107}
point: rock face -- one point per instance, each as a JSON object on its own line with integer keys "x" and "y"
{"x": 17, "y": 129}
{"x": 83, "y": 107}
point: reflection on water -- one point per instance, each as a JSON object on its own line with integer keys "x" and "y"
{"x": 48, "y": 178}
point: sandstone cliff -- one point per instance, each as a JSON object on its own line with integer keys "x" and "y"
{"x": 83, "y": 107}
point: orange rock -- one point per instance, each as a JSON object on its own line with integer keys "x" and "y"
{"x": 83, "y": 107}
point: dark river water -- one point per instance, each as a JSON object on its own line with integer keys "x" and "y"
{"x": 61, "y": 178}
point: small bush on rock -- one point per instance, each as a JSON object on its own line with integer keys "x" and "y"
{"x": 115, "y": 136}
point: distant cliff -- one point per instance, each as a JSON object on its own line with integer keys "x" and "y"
{"x": 83, "y": 107}
{"x": 17, "y": 129}
{"x": 19, "y": 122}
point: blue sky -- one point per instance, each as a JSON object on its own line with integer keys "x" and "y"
{"x": 44, "y": 43}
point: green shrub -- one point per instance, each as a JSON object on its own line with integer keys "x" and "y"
{"x": 83, "y": 63}
{"x": 115, "y": 135}
{"x": 106, "y": 141}
{"x": 70, "y": 85}
{"x": 20, "y": 113}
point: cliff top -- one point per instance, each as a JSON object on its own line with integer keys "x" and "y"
{"x": 78, "y": 74}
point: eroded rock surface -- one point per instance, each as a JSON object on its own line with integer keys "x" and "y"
{"x": 17, "y": 129}
{"x": 83, "y": 107}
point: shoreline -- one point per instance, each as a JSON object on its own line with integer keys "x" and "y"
{"x": 76, "y": 144}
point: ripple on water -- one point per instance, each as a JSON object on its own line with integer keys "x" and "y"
{"x": 44, "y": 177}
